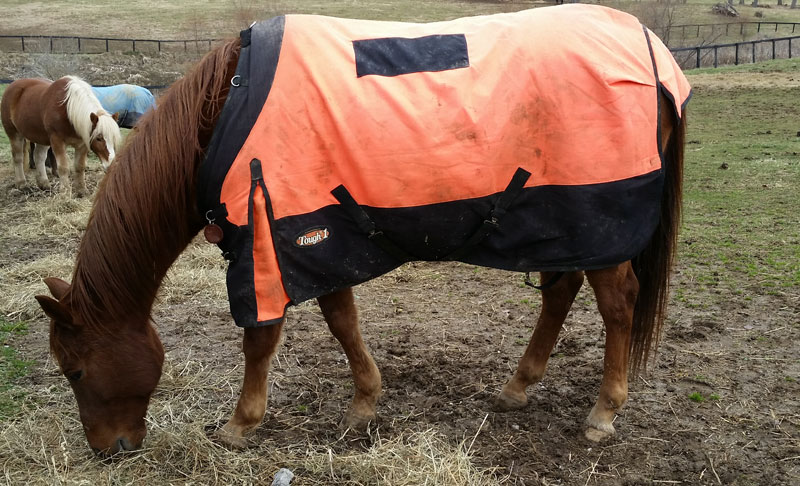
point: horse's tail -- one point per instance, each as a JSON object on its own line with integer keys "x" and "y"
{"x": 654, "y": 264}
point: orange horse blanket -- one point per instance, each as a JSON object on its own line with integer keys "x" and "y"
{"x": 524, "y": 141}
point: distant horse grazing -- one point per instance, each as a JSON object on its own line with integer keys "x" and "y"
{"x": 58, "y": 114}
{"x": 320, "y": 153}
{"x": 127, "y": 102}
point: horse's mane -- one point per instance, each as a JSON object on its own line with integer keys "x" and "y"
{"x": 81, "y": 102}
{"x": 144, "y": 213}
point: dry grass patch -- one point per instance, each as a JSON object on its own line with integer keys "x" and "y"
{"x": 46, "y": 445}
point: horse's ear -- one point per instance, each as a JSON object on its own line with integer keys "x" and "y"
{"x": 94, "y": 118}
{"x": 115, "y": 116}
{"x": 55, "y": 310}
{"x": 57, "y": 287}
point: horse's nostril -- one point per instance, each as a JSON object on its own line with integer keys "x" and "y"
{"x": 123, "y": 444}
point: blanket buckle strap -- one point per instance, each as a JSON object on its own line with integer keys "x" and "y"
{"x": 492, "y": 222}
{"x": 367, "y": 226}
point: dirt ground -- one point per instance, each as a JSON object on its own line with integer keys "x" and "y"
{"x": 446, "y": 338}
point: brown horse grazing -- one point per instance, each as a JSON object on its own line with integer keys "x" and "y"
{"x": 150, "y": 206}
{"x": 57, "y": 114}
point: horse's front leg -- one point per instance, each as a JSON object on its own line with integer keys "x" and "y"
{"x": 616, "y": 290}
{"x": 341, "y": 315}
{"x": 79, "y": 183}
{"x": 62, "y": 161}
{"x": 39, "y": 159}
{"x": 556, "y": 302}
{"x": 18, "y": 144}
{"x": 259, "y": 346}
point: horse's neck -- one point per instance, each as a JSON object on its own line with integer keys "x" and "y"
{"x": 145, "y": 211}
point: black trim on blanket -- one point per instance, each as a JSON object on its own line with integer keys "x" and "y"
{"x": 242, "y": 107}
{"x": 548, "y": 228}
{"x": 393, "y": 56}
{"x": 659, "y": 133}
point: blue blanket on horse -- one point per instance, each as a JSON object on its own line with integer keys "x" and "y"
{"x": 129, "y": 101}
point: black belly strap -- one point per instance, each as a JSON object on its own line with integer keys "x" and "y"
{"x": 489, "y": 225}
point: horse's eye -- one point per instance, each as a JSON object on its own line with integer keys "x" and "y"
{"x": 100, "y": 138}
{"x": 74, "y": 375}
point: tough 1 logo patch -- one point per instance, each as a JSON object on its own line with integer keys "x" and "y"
{"x": 312, "y": 237}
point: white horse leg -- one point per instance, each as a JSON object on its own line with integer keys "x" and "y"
{"x": 39, "y": 158}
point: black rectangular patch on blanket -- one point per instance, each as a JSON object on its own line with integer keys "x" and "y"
{"x": 393, "y": 56}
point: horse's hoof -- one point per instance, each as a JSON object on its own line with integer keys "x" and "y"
{"x": 231, "y": 440}
{"x": 506, "y": 402}
{"x": 43, "y": 185}
{"x": 595, "y": 434}
{"x": 358, "y": 423}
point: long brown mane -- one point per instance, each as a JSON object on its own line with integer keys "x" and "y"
{"x": 144, "y": 213}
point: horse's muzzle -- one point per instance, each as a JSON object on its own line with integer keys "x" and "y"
{"x": 122, "y": 444}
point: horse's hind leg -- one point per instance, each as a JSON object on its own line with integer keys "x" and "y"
{"x": 259, "y": 346}
{"x": 39, "y": 158}
{"x": 556, "y": 302}
{"x": 342, "y": 317}
{"x": 616, "y": 290}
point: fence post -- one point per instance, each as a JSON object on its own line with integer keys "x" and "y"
{"x": 106, "y": 45}
{"x": 754, "y": 52}
{"x": 159, "y": 46}
{"x": 697, "y": 61}
{"x": 51, "y": 44}
{"x": 736, "y": 61}
{"x": 134, "y": 45}
{"x": 773, "y": 50}
{"x": 790, "y": 48}
{"x": 715, "y": 58}
{"x": 22, "y": 38}
{"x": 79, "y": 44}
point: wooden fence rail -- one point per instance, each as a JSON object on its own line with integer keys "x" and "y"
{"x": 687, "y": 57}
{"x": 737, "y": 52}
{"x": 734, "y": 26}
{"x": 82, "y": 44}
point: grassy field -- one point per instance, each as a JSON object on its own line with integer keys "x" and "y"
{"x": 725, "y": 387}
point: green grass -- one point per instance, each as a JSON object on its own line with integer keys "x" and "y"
{"x": 742, "y": 179}
{"x": 697, "y": 397}
{"x": 12, "y": 368}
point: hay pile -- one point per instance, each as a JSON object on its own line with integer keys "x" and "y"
{"x": 45, "y": 445}
{"x": 44, "y": 442}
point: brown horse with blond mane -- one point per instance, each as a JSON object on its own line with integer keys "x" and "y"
{"x": 146, "y": 213}
{"x": 57, "y": 114}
